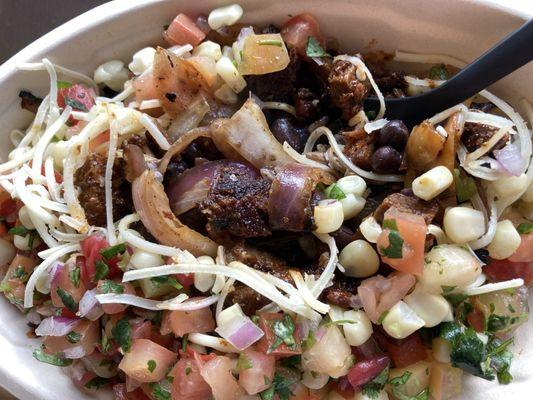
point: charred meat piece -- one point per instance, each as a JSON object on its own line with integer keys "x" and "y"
{"x": 346, "y": 92}
{"x": 29, "y": 102}
{"x": 237, "y": 204}
{"x": 342, "y": 293}
{"x": 407, "y": 202}
{"x": 203, "y": 147}
{"x": 90, "y": 179}
{"x": 247, "y": 298}
{"x": 307, "y": 104}
{"x": 474, "y": 135}
{"x": 276, "y": 86}
{"x": 359, "y": 148}
{"x": 391, "y": 83}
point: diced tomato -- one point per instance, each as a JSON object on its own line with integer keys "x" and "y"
{"x": 367, "y": 350}
{"x": 297, "y": 30}
{"x": 403, "y": 352}
{"x": 188, "y": 383}
{"x": 217, "y": 374}
{"x": 145, "y": 88}
{"x": 8, "y": 209}
{"x": 3, "y": 229}
{"x": 78, "y": 96}
{"x": 410, "y": 243}
{"x": 90, "y": 248}
{"x": 364, "y": 371}
{"x": 186, "y": 280}
{"x": 342, "y": 387}
{"x": 141, "y": 329}
{"x": 67, "y": 281}
{"x": 120, "y": 393}
{"x": 201, "y": 321}
{"x": 89, "y": 334}
{"x": 476, "y": 319}
{"x": 299, "y": 392}
{"x": 15, "y": 278}
{"x": 137, "y": 362}
{"x": 115, "y": 308}
{"x": 266, "y": 343}
{"x": 182, "y": 30}
{"x": 258, "y": 372}
{"x": 163, "y": 340}
{"x": 503, "y": 270}
{"x": 99, "y": 140}
{"x": 524, "y": 253}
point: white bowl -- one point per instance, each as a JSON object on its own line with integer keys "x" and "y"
{"x": 463, "y": 28}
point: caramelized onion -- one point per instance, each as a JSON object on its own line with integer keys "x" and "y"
{"x": 289, "y": 205}
{"x": 247, "y": 134}
{"x": 152, "y": 205}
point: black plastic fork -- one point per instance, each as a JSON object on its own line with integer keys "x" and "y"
{"x": 508, "y": 55}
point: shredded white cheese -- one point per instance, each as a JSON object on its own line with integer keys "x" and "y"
{"x": 494, "y": 287}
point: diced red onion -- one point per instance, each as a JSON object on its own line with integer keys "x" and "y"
{"x": 510, "y": 159}
{"x": 242, "y": 334}
{"x": 131, "y": 384}
{"x": 89, "y": 306}
{"x": 56, "y": 326}
{"x": 201, "y": 23}
{"x": 75, "y": 353}
{"x": 33, "y": 317}
{"x": 289, "y": 204}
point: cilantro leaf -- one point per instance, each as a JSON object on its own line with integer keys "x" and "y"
{"x": 465, "y": 186}
{"x": 96, "y": 383}
{"x": 400, "y": 380}
{"x": 525, "y": 228}
{"x": 497, "y": 322}
{"x": 280, "y": 386}
{"x": 102, "y": 270}
{"x": 314, "y": 49}
{"x": 438, "y": 72}
{"x": 109, "y": 286}
{"x": 243, "y": 362}
{"x": 376, "y": 385}
{"x": 73, "y": 337}
{"x": 67, "y": 299}
{"x": 56, "y": 360}
{"x": 20, "y": 230}
{"x": 266, "y": 42}
{"x": 74, "y": 276}
{"x": 340, "y": 322}
{"x": 284, "y": 330}
{"x": 394, "y": 250}
{"x": 112, "y": 251}
{"x": 159, "y": 392}
{"x": 63, "y": 84}
{"x": 166, "y": 280}
{"x": 122, "y": 334}
{"x": 333, "y": 191}
{"x": 75, "y": 104}
{"x": 151, "y": 365}
{"x": 383, "y": 316}
{"x": 447, "y": 289}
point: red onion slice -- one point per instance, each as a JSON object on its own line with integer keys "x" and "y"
{"x": 510, "y": 159}
{"x": 241, "y": 334}
{"x": 89, "y": 306}
{"x": 56, "y": 326}
{"x": 289, "y": 205}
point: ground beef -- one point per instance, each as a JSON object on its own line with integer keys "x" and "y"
{"x": 359, "y": 148}
{"x": 276, "y": 86}
{"x": 474, "y": 135}
{"x": 29, "y": 102}
{"x": 346, "y": 92}
{"x": 407, "y": 202}
{"x": 249, "y": 300}
{"x": 90, "y": 179}
{"x": 237, "y": 205}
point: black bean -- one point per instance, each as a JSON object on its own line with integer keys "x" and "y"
{"x": 394, "y": 134}
{"x": 386, "y": 160}
{"x": 285, "y": 131}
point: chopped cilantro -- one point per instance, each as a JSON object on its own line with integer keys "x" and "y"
{"x": 184, "y": 342}
{"x": 20, "y": 230}
{"x": 67, "y": 300}
{"x": 314, "y": 49}
{"x": 151, "y": 365}
{"x": 447, "y": 289}
{"x": 400, "y": 380}
{"x": 73, "y": 337}
{"x": 96, "y": 383}
{"x": 112, "y": 251}
{"x": 31, "y": 238}
{"x": 456, "y": 298}
{"x": 105, "y": 345}
{"x": 102, "y": 270}
{"x": 309, "y": 341}
{"x": 122, "y": 334}
{"x": 383, "y": 316}
{"x": 243, "y": 362}
{"x": 465, "y": 186}
{"x": 291, "y": 362}
{"x": 159, "y": 392}
{"x": 280, "y": 386}
{"x": 473, "y": 354}
{"x": 20, "y": 273}
{"x": 75, "y": 104}
{"x": 74, "y": 276}
{"x": 525, "y": 228}
{"x": 395, "y": 383}
{"x": 371, "y": 114}
{"x": 284, "y": 330}
{"x": 188, "y": 370}
{"x": 333, "y": 191}
{"x": 56, "y": 360}
{"x": 438, "y": 72}
{"x": 497, "y": 322}
{"x": 376, "y": 385}
{"x": 339, "y": 322}
{"x": 394, "y": 250}
{"x": 266, "y": 42}
{"x": 166, "y": 280}
{"x": 109, "y": 286}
